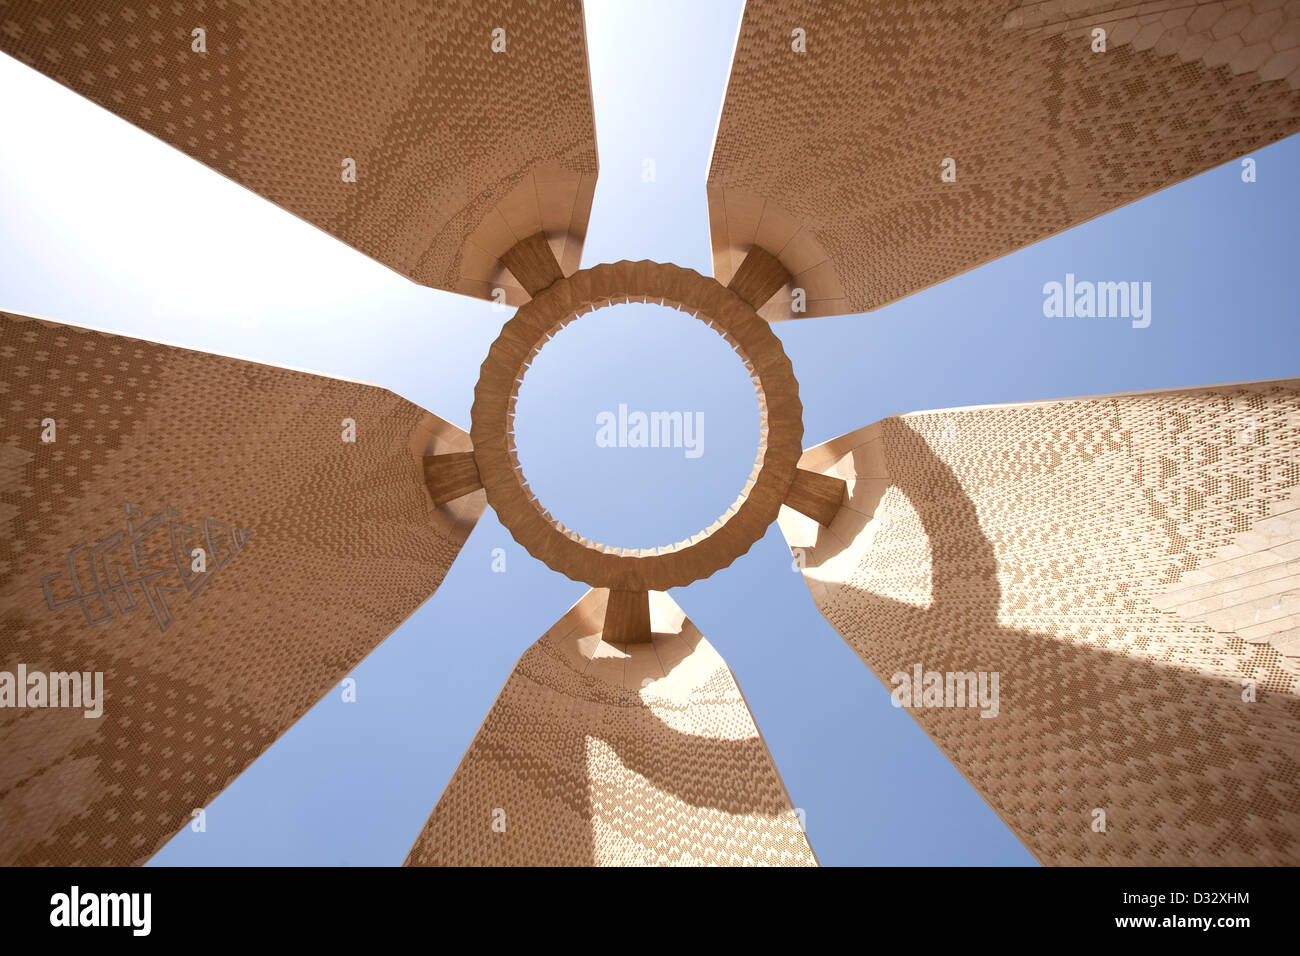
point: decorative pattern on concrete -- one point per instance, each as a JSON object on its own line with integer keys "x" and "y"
{"x": 1057, "y": 544}
{"x": 616, "y": 755}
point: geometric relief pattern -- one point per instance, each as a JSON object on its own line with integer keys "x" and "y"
{"x": 1250, "y": 587}
{"x": 831, "y": 159}
{"x": 1259, "y": 37}
{"x": 457, "y": 148}
{"x": 615, "y": 754}
{"x": 178, "y": 549}
{"x": 1043, "y": 541}
{"x": 347, "y": 544}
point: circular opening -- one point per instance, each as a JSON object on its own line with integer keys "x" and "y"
{"x": 637, "y": 426}
{"x": 496, "y": 397}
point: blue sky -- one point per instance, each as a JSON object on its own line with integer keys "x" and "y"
{"x": 102, "y": 225}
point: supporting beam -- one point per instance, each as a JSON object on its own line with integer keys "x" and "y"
{"x": 451, "y": 476}
{"x": 816, "y": 495}
{"x": 532, "y": 262}
{"x": 759, "y": 277}
{"x": 627, "y": 617}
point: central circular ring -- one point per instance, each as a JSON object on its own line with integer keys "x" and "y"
{"x": 606, "y": 566}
